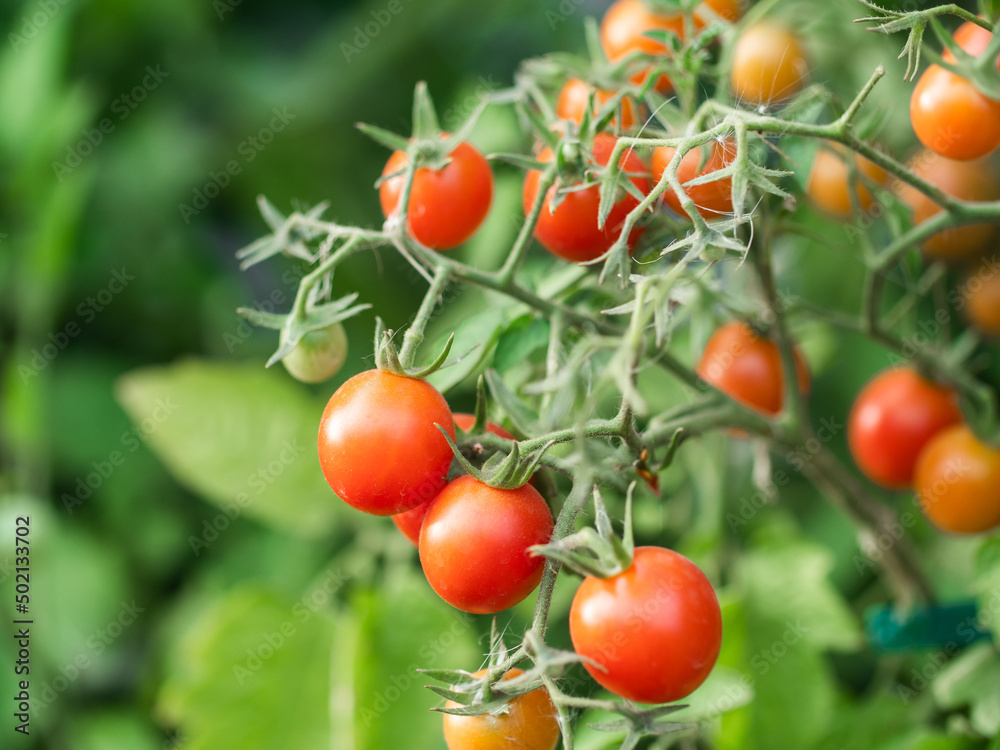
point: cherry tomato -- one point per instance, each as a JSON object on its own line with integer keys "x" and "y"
{"x": 570, "y": 231}
{"x": 827, "y": 186}
{"x": 446, "y": 205}
{"x": 958, "y": 482}
{"x": 768, "y": 65}
{"x": 474, "y": 544}
{"x": 982, "y": 301}
{"x": 575, "y": 95}
{"x": 971, "y": 181}
{"x": 623, "y": 32}
{"x": 318, "y": 356}
{"x": 655, "y": 628}
{"x": 378, "y": 446}
{"x": 894, "y": 417}
{"x": 747, "y": 368}
{"x": 714, "y": 199}
{"x": 729, "y": 10}
{"x": 529, "y": 724}
{"x": 409, "y": 522}
{"x": 949, "y": 114}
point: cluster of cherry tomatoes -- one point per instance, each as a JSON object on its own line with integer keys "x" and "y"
{"x": 651, "y": 632}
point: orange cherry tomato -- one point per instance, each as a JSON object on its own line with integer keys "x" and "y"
{"x": 827, "y": 186}
{"x": 529, "y": 724}
{"x": 574, "y": 97}
{"x": 893, "y": 419}
{"x": 713, "y": 199}
{"x": 958, "y": 482}
{"x": 982, "y": 301}
{"x": 747, "y": 368}
{"x": 971, "y": 181}
{"x": 447, "y": 205}
{"x": 769, "y": 65}
{"x": 623, "y": 32}
{"x": 949, "y": 114}
{"x": 728, "y": 10}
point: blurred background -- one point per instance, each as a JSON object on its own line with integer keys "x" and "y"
{"x": 194, "y": 583}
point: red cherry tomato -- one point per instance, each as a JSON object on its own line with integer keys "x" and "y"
{"x": 446, "y": 205}
{"x": 474, "y": 544}
{"x": 768, "y": 65}
{"x": 958, "y": 482}
{"x": 895, "y": 416}
{"x": 828, "y": 185}
{"x": 623, "y": 32}
{"x": 654, "y": 628}
{"x": 575, "y": 96}
{"x": 714, "y": 199}
{"x": 378, "y": 446}
{"x": 747, "y": 368}
{"x": 729, "y": 10}
{"x": 409, "y": 522}
{"x": 971, "y": 181}
{"x": 529, "y": 724}
{"x": 570, "y": 231}
{"x": 949, "y": 114}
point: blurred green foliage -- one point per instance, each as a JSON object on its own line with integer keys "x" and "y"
{"x": 194, "y": 582}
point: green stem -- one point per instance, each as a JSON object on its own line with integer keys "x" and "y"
{"x": 415, "y": 333}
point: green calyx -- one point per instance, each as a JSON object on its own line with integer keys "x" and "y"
{"x": 595, "y": 551}
{"x": 387, "y": 357}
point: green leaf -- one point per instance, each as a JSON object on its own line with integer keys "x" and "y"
{"x": 253, "y": 673}
{"x": 973, "y": 679}
{"x": 402, "y": 627}
{"x": 240, "y": 436}
{"x": 522, "y": 338}
{"x": 791, "y": 583}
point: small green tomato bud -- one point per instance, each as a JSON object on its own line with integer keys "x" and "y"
{"x": 318, "y": 356}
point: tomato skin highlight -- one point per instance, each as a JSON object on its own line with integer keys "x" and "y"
{"x": 893, "y": 419}
{"x": 378, "y": 446}
{"x": 656, "y": 627}
{"x": 571, "y": 232}
{"x": 447, "y": 206}
{"x": 318, "y": 356}
{"x": 769, "y": 65}
{"x": 410, "y": 521}
{"x": 474, "y": 544}
{"x": 575, "y": 96}
{"x": 623, "y": 31}
{"x": 747, "y": 368}
{"x": 828, "y": 188}
{"x": 529, "y": 724}
{"x": 958, "y": 482}
{"x": 713, "y": 199}
{"x": 966, "y": 180}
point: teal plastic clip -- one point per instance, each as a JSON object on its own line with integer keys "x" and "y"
{"x": 950, "y": 626}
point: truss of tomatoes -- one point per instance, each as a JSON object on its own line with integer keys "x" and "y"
{"x": 651, "y": 632}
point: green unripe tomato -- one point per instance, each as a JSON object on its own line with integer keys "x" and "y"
{"x": 318, "y": 356}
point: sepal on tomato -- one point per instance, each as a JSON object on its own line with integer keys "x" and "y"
{"x": 503, "y": 471}
{"x": 387, "y": 357}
